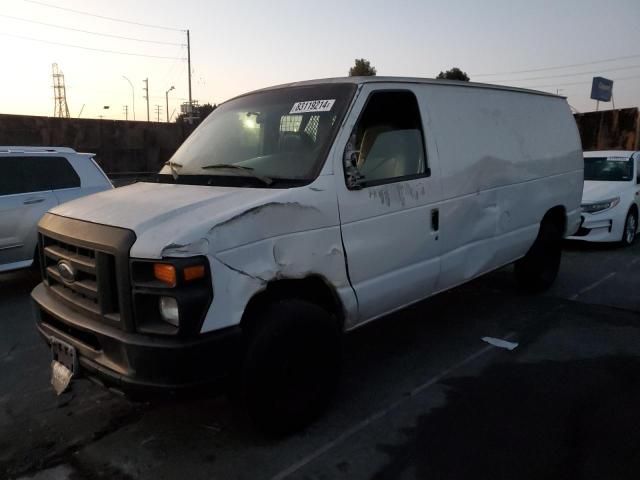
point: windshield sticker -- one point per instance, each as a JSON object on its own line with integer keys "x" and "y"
{"x": 617, "y": 159}
{"x": 312, "y": 106}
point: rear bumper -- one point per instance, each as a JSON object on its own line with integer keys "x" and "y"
{"x": 134, "y": 362}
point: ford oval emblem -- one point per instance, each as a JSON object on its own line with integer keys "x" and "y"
{"x": 66, "y": 271}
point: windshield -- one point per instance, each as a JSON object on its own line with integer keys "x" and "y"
{"x": 260, "y": 138}
{"x": 608, "y": 169}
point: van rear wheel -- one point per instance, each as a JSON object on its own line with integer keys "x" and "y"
{"x": 292, "y": 365}
{"x": 538, "y": 269}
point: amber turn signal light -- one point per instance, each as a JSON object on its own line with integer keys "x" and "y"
{"x": 194, "y": 272}
{"x": 165, "y": 273}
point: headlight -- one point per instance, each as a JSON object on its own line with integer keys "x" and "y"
{"x": 171, "y": 296}
{"x": 169, "y": 310}
{"x": 600, "y": 206}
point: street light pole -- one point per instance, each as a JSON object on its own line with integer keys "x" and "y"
{"x": 133, "y": 96}
{"x": 189, "y": 72}
{"x": 166, "y": 95}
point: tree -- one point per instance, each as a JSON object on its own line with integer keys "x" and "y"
{"x": 454, "y": 74}
{"x": 362, "y": 68}
{"x": 199, "y": 111}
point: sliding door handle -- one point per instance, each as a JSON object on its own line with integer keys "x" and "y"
{"x": 435, "y": 219}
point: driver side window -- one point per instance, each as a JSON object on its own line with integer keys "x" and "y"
{"x": 387, "y": 144}
{"x": 638, "y": 171}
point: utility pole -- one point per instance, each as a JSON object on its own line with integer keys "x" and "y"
{"x": 166, "y": 96}
{"x": 189, "y": 67}
{"x": 146, "y": 96}
{"x": 126, "y": 112}
{"x": 158, "y": 110}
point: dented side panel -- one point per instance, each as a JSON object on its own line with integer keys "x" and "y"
{"x": 294, "y": 235}
{"x": 242, "y": 272}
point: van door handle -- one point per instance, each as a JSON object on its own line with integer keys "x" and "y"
{"x": 435, "y": 219}
{"x": 31, "y": 201}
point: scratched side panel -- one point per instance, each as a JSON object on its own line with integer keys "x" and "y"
{"x": 506, "y": 158}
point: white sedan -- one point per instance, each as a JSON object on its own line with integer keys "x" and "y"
{"x": 611, "y": 197}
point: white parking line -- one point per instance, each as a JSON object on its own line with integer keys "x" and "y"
{"x": 381, "y": 413}
{"x": 593, "y": 285}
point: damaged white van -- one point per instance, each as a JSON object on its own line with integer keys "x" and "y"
{"x": 294, "y": 214}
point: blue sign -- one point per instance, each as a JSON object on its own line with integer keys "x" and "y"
{"x": 601, "y": 89}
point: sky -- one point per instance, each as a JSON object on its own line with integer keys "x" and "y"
{"x": 242, "y": 45}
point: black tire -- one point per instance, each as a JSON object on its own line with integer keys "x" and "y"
{"x": 291, "y": 367}
{"x": 538, "y": 269}
{"x": 630, "y": 228}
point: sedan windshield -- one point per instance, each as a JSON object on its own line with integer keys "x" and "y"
{"x": 263, "y": 138}
{"x": 608, "y": 169}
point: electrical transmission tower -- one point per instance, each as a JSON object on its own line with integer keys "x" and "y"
{"x": 61, "y": 108}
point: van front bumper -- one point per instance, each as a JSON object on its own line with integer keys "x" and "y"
{"x": 133, "y": 362}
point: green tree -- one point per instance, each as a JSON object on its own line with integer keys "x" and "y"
{"x": 362, "y": 68}
{"x": 454, "y": 74}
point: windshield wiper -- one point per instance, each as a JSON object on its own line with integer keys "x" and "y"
{"x": 248, "y": 171}
{"x": 173, "y": 166}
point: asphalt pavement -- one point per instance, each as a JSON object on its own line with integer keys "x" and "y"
{"x": 422, "y": 395}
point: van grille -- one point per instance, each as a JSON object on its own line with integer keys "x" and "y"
{"x": 93, "y": 288}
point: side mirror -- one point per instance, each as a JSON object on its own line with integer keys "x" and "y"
{"x": 353, "y": 176}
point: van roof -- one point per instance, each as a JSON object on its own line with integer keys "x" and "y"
{"x": 413, "y": 80}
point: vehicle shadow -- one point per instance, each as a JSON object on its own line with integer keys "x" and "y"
{"x": 583, "y": 246}
{"x": 20, "y": 282}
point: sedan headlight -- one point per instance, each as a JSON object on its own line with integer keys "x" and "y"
{"x": 600, "y": 206}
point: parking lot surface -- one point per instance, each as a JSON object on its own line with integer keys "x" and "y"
{"x": 422, "y": 395}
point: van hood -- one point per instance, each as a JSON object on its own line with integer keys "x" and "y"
{"x": 141, "y": 206}
{"x": 187, "y": 220}
{"x": 595, "y": 191}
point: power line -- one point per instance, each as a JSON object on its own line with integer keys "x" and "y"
{"x": 90, "y": 32}
{"x": 116, "y": 52}
{"x": 556, "y": 67}
{"x": 104, "y": 17}
{"x": 630, "y": 67}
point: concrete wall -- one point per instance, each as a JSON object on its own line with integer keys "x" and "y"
{"x": 610, "y": 129}
{"x": 119, "y": 146}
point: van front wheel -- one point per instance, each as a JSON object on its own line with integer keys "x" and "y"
{"x": 538, "y": 269}
{"x": 291, "y": 366}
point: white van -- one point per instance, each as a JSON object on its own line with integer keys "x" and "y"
{"x": 299, "y": 212}
{"x": 33, "y": 180}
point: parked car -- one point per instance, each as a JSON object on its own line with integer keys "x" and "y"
{"x": 33, "y": 180}
{"x": 611, "y": 197}
{"x": 294, "y": 214}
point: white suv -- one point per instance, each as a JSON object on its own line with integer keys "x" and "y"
{"x": 33, "y": 180}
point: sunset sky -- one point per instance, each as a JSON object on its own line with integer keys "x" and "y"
{"x": 240, "y": 45}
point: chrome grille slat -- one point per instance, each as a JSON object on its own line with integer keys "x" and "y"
{"x": 81, "y": 262}
{"x": 75, "y": 299}
{"x": 86, "y": 287}
{"x": 93, "y": 289}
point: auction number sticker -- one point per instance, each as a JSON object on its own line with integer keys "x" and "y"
{"x": 311, "y": 106}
